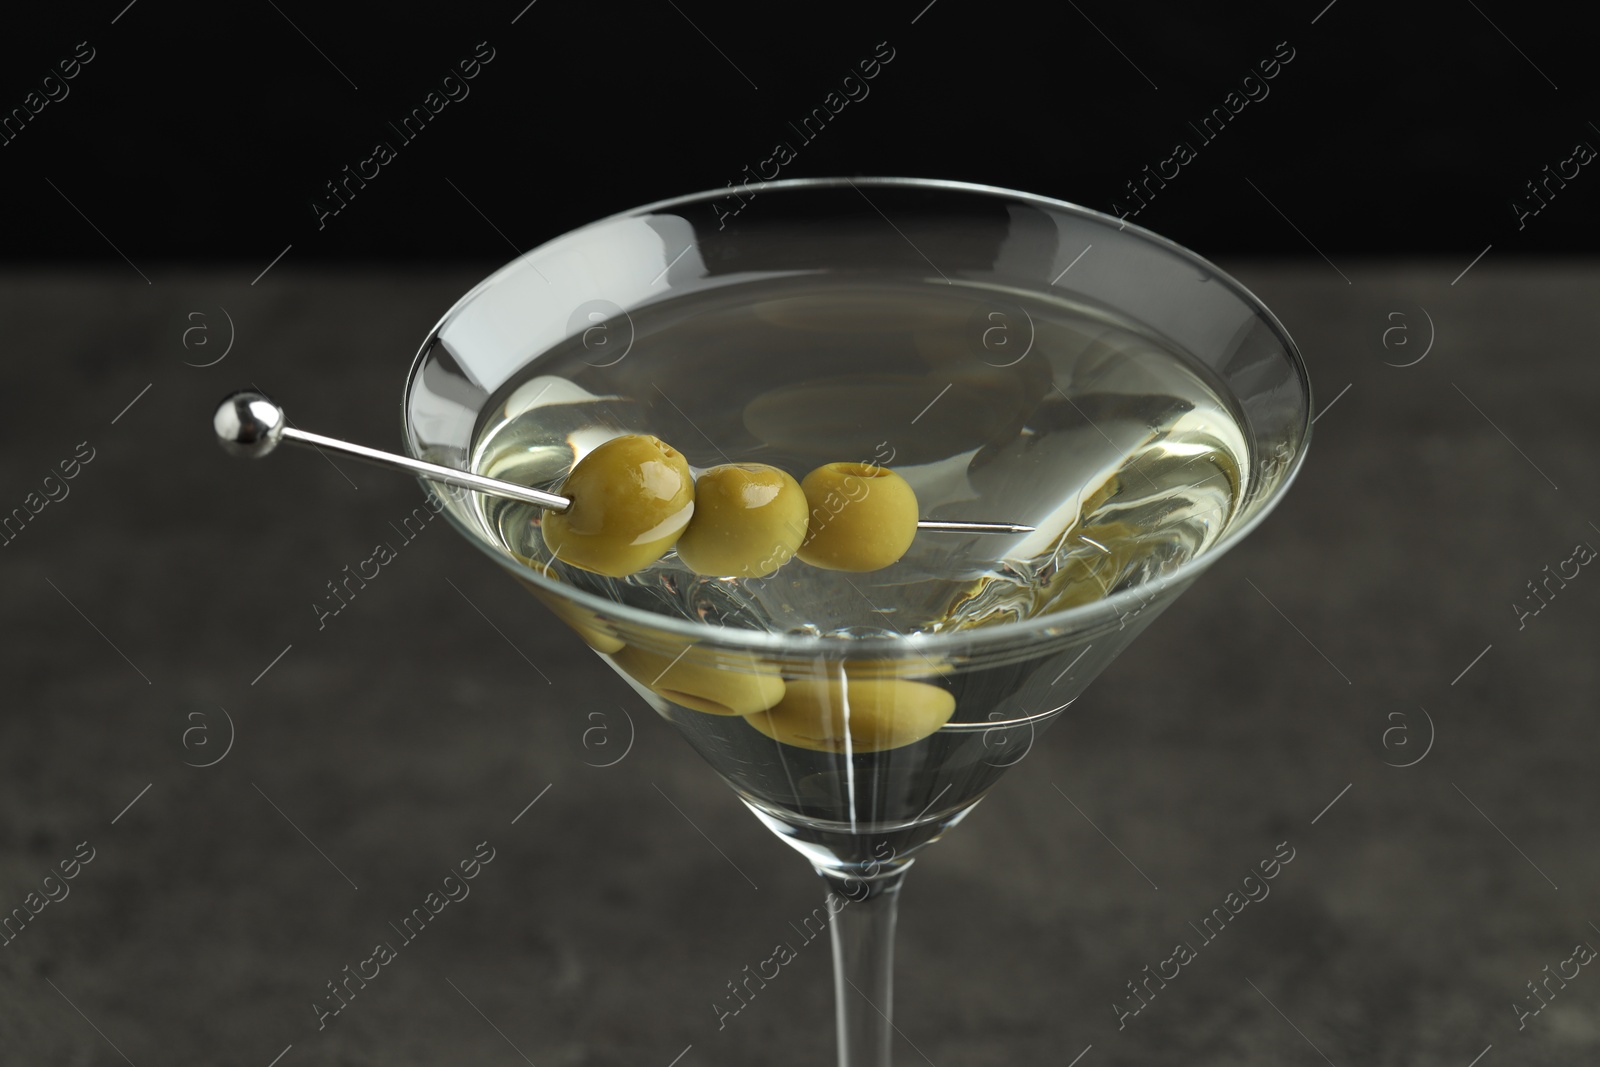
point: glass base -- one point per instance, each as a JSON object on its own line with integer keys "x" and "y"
{"x": 862, "y": 850}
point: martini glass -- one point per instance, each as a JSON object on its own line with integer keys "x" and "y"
{"x": 1017, "y": 359}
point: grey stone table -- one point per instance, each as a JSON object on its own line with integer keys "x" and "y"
{"x": 160, "y": 607}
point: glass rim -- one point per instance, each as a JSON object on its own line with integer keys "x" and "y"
{"x": 1068, "y": 620}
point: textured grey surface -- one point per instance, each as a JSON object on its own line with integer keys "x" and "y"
{"x": 408, "y": 730}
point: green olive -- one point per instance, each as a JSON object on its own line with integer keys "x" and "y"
{"x": 862, "y": 517}
{"x": 631, "y": 498}
{"x": 701, "y": 686}
{"x": 585, "y": 624}
{"x": 913, "y": 666}
{"x": 873, "y": 713}
{"x": 748, "y": 521}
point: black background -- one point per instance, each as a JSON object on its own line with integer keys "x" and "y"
{"x": 199, "y": 135}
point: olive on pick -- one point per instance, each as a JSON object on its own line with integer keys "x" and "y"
{"x": 631, "y": 499}
{"x": 749, "y": 520}
{"x": 872, "y": 713}
{"x": 863, "y": 517}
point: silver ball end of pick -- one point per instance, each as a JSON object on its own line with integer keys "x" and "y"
{"x": 248, "y": 424}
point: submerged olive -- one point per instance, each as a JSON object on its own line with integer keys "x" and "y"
{"x": 862, "y": 517}
{"x": 913, "y": 666}
{"x": 737, "y": 690}
{"x": 749, "y": 520}
{"x": 863, "y": 714}
{"x": 631, "y": 499}
{"x": 586, "y": 624}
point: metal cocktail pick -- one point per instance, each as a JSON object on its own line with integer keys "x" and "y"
{"x": 248, "y": 424}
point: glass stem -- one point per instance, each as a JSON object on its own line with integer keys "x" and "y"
{"x": 863, "y": 962}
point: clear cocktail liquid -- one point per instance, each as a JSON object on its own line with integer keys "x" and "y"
{"x": 994, "y": 405}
